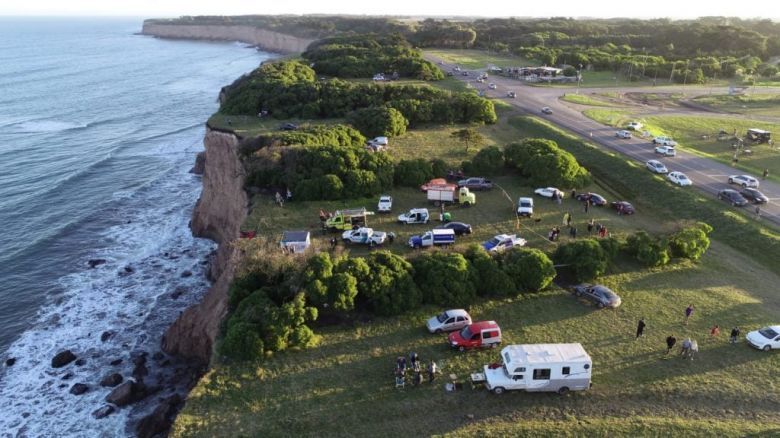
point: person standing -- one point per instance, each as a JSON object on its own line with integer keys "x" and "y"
{"x": 758, "y": 212}
{"x": 573, "y": 232}
{"x": 734, "y": 335}
{"x": 670, "y": 341}
{"x": 715, "y": 331}
{"x": 432, "y": 371}
{"x": 559, "y": 198}
{"x": 640, "y": 327}
{"x": 568, "y": 219}
{"x": 765, "y": 174}
{"x": 565, "y": 218}
{"x": 688, "y": 313}
{"x": 587, "y": 205}
{"x": 573, "y": 193}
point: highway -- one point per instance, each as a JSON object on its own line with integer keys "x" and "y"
{"x": 707, "y": 175}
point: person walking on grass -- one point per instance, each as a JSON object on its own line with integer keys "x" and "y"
{"x": 670, "y": 341}
{"x": 432, "y": 371}
{"x": 587, "y": 206}
{"x": 591, "y": 224}
{"x": 765, "y": 174}
{"x": 640, "y": 328}
{"x": 758, "y": 212}
{"x": 573, "y": 232}
{"x": 568, "y": 219}
{"x": 734, "y": 335}
{"x": 688, "y": 313}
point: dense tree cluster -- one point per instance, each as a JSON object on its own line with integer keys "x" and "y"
{"x": 542, "y": 162}
{"x": 363, "y": 56}
{"x": 314, "y": 135}
{"x": 379, "y": 121}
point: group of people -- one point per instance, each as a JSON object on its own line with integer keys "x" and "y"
{"x": 689, "y": 347}
{"x": 415, "y": 367}
{"x": 592, "y": 225}
{"x": 280, "y": 199}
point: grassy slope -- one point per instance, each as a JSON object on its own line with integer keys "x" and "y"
{"x": 754, "y": 104}
{"x": 478, "y": 59}
{"x": 700, "y": 135}
{"x": 334, "y": 389}
{"x": 582, "y": 99}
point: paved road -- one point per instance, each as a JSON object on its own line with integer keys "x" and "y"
{"x": 707, "y": 175}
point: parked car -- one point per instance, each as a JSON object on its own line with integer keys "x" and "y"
{"x": 768, "y": 338}
{"x": 503, "y": 242}
{"x": 547, "y": 110}
{"x": 478, "y": 334}
{"x": 447, "y": 321}
{"x": 733, "y": 197}
{"x": 656, "y": 166}
{"x": 511, "y": 94}
{"x": 433, "y": 182}
{"x": 623, "y": 134}
{"x": 679, "y": 178}
{"x": 666, "y": 151}
{"x": 415, "y": 216}
{"x": 465, "y": 73}
{"x": 623, "y": 207}
{"x": 594, "y": 199}
{"x": 744, "y": 181}
{"x": 385, "y": 204}
{"x": 476, "y": 183}
{"x": 601, "y": 295}
{"x": 459, "y": 227}
{"x": 664, "y": 141}
{"x": 288, "y": 127}
{"x": 492, "y": 86}
{"x": 754, "y": 196}
{"x": 480, "y": 80}
{"x": 525, "y": 207}
{"x": 548, "y": 192}
{"x": 365, "y": 236}
{"x": 634, "y": 126}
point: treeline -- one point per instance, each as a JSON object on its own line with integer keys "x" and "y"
{"x": 291, "y": 89}
{"x": 363, "y": 56}
{"x": 276, "y": 297}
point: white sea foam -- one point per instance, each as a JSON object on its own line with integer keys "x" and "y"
{"x": 40, "y": 126}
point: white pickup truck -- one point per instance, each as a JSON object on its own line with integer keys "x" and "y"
{"x": 365, "y": 236}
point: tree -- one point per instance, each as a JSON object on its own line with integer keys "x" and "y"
{"x": 242, "y": 342}
{"x": 468, "y": 136}
{"x": 388, "y": 288}
{"x": 690, "y": 242}
{"x": 542, "y": 162}
{"x": 585, "y": 258}
{"x": 648, "y": 250}
{"x": 379, "y": 121}
{"x": 487, "y": 275}
{"x": 445, "y": 279}
{"x": 529, "y": 268}
{"x": 413, "y": 173}
{"x": 488, "y": 161}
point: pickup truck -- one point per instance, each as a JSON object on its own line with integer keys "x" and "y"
{"x": 476, "y": 183}
{"x": 439, "y": 236}
{"x": 365, "y": 236}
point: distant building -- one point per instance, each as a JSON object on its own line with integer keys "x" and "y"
{"x": 537, "y": 74}
{"x": 296, "y": 241}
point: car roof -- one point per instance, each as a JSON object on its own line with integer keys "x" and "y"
{"x": 457, "y": 312}
{"x": 483, "y": 325}
{"x": 525, "y": 198}
{"x": 385, "y": 197}
{"x": 729, "y": 191}
{"x": 457, "y": 224}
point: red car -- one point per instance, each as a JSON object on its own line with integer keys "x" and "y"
{"x": 478, "y": 334}
{"x": 433, "y": 182}
{"x": 623, "y": 207}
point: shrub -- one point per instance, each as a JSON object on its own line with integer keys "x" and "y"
{"x": 586, "y": 259}
{"x": 648, "y": 250}
{"x": 439, "y": 168}
{"x": 543, "y": 163}
{"x": 487, "y": 275}
{"x": 379, "y": 121}
{"x": 444, "y": 279}
{"x": 388, "y": 287}
{"x": 530, "y": 269}
{"x": 690, "y": 242}
{"x": 488, "y": 161}
{"x": 413, "y": 173}
{"x": 242, "y": 342}
{"x": 611, "y": 247}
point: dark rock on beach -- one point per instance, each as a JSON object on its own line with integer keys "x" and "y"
{"x": 96, "y": 262}
{"x": 79, "y": 388}
{"x": 200, "y": 164}
{"x": 115, "y": 362}
{"x": 179, "y": 291}
{"x": 103, "y": 412}
{"x": 80, "y": 362}
{"x": 67, "y": 376}
{"x": 106, "y": 335}
{"x": 123, "y": 394}
{"x": 62, "y": 358}
{"x": 111, "y": 380}
{"x": 160, "y": 420}
{"x": 10, "y": 361}
{"x": 186, "y": 274}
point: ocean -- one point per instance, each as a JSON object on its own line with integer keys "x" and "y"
{"x": 99, "y": 128}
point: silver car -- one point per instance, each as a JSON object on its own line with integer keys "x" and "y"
{"x": 450, "y": 320}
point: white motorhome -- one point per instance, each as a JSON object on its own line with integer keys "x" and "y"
{"x": 539, "y": 367}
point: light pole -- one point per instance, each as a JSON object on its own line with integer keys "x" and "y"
{"x": 579, "y": 78}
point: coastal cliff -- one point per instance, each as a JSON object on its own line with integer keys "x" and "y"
{"x": 264, "y": 39}
{"x": 218, "y": 215}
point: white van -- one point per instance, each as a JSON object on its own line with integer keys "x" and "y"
{"x": 525, "y": 207}
{"x": 539, "y": 367}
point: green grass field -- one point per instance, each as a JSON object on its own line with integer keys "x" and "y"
{"x": 699, "y": 134}
{"x": 479, "y": 59}
{"x": 344, "y": 387}
{"x": 586, "y": 99}
{"x": 752, "y": 104}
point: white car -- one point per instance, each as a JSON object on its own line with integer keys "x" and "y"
{"x": 503, "y": 242}
{"x": 623, "y": 134}
{"x": 415, "y": 216}
{"x": 665, "y": 141}
{"x": 766, "y": 339}
{"x": 634, "y": 126}
{"x": 454, "y": 319}
{"x": 744, "y": 180}
{"x": 547, "y": 110}
{"x": 666, "y": 151}
{"x": 525, "y": 207}
{"x": 656, "y": 166}
{"x": 679, "y": 178}
{"x": 385, "y": 204}
{"x": 548, "y": 192}
{"x": 366, "y": 236}
{"x": 492, "y": 86}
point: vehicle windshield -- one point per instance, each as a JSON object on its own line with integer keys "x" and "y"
{"x": 494, "y": 241}
{"x": 768, "y": 333}
{"x": 384, "y": 199}
{"x": 443, "y": 317}
{"x": 525, "y": 204}
{"x": 465, "y": 333}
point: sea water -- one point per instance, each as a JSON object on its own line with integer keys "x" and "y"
{"x": 99, "y": 128}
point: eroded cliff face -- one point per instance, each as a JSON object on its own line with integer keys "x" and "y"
{"x": 218, "y": 216}
{"x": 265, "y": 39}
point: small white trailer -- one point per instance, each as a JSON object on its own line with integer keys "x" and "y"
{"x": 539, "y": 368}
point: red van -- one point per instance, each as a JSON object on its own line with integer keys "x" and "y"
{"x": 479, "y": 334}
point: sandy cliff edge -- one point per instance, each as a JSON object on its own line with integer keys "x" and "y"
{"x": 218, "y": 216}
{"x": 262, "y": 38}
